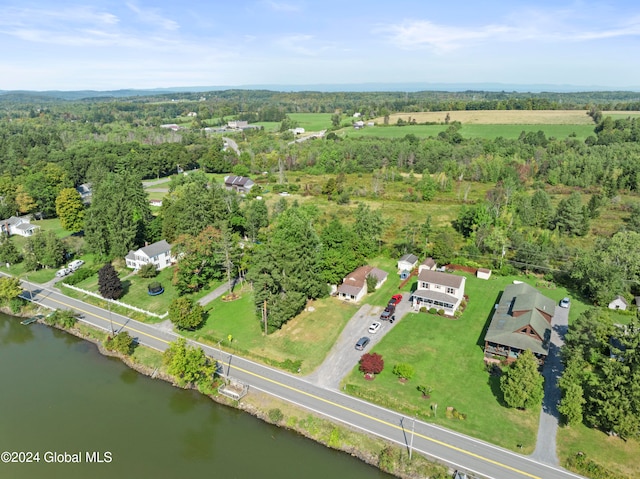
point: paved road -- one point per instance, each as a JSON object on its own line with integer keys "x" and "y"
{"x": 457, "y": 450}
{"x": 547, "y": 429}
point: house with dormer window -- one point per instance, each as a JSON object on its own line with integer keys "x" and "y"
{"x": 521, "y": 321}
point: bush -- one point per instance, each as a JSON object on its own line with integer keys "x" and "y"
{"x": 423, "y": 309}
{"x": 121, "y": 342}
{"x": 148, "y": 271}
{"x": 16, "y": 304}
{"x": 433, "y": 310}
{"x": 404, "y": 370}
{"x": 79, "y": 276}
{"x": 275, "y": 415}
{"x": 371, "y": 363}
{"x": 441, "y": 312}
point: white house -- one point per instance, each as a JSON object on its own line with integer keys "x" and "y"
{"x": 354, "y": 286}
{"x": 438, "y": 290}
{"x": 18, "y": 225}
{"x": 158, "y": 254}
{"x": 618, "y": 303}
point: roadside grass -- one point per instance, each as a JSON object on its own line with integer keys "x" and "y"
{"x": 611, "y": 452}
{"x": 307, "y": 338}
{"x": 147, "y": 356}
{"x": 447, "y": 355}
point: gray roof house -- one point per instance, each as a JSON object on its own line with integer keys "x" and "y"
{"x": 354, "y": 285}
{"x": 241, "y": 184}
{"x": 438, "y": 290}
{"x": 18, "y": 225}
{"x": 158, "y": 253}
{"x": 521, "y": 321}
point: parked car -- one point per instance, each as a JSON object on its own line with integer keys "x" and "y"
{"x": 63, "y": 272}
{"x": 375, "y": 326}
{"x": 75, "y": 264}
{"x": 388, "y": 314}
{"x": 395, "y": 299}
{"x": 565, "y": 302}
{"x": 362, "y": 343}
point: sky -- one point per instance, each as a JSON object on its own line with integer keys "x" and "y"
{"x": 112, "y": 44}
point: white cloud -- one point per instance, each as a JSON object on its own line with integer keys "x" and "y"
{"x": 530, "y": 25}
{"x": 154, "y": 18}
{"x": 282, "y": 6}
{"x": 299, "y": 44}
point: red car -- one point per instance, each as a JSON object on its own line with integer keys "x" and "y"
{"x": 395, "y": 299}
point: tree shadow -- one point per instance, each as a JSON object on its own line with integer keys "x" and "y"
{"x": 494, "y": 384}
{"x": 126, "y": 284}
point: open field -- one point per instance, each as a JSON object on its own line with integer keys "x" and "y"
{"x": 503, "y": 117}
{"x": 487, "y": 131}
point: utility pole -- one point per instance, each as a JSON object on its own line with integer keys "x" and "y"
{"x": 110, "y": 319}
{"x": 264, "y": 316}
{"x": 413, "y": 426}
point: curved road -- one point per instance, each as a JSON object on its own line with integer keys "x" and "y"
{"x": 457, "y": 450}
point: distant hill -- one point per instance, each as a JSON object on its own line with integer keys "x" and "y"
{"x": 20, "y": 95}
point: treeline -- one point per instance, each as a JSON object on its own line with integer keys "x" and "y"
{"x": 259, "y": 105}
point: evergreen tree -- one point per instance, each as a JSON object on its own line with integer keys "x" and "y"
{"x": 521, "y": 383}
{"x": 571, "y": 217}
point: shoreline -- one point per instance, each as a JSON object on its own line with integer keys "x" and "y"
{"x": 389, "y": 457}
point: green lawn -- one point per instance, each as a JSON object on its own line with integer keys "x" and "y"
{"x": 471, "y": 131}
{"x": 312, "y": 121}
{"x": 307, "y": 338}
{"x": 447, "y": 355}
{"x": 611, "y": 452}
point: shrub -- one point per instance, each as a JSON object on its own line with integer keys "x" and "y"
{"x": 275, "y": 415}
{"x": 16, "y": 304}
{"x": 441, "y": 312}
{"x": 423, "y": 309}
{"x": 121, "y": 342}
{"x": 371, "y": 363}
{"x": 404, "y": 370}
{"x": 433, "y": 310}
{"x": 425, "y": 390}
{"x": 79, "y": 276}
{"x": 148, "y": 271}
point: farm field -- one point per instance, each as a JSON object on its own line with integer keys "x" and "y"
{"x": 504, "y": 117}
{"x": 488, "y": 131}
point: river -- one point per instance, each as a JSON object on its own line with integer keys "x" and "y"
{"x": 59, "y": 395}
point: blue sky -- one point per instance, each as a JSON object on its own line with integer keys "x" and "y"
{"x": 112, "y": 44}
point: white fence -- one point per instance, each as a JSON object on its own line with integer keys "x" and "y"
{"x": 113, "y": 301}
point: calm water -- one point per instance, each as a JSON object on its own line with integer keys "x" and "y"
{"x": 58, "y": 394}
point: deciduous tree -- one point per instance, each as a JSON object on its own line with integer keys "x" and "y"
{"x": 70, "y": 209}
{"x": 109, "y": 283}
{"x": 186, "y": 314}
{"x": 371, "y": 363}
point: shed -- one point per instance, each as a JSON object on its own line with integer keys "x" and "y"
{"x": 618, "y": 303}
{"x": 407, "y": 262}
{"x": 483, "y": 273}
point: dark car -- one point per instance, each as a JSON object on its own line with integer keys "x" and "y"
{"x": 388, "y": 314}
{"x": 362, "y": 343}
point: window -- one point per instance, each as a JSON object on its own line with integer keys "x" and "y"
{"x": 451, "y": 291}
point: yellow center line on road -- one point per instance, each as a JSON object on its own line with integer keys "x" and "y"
{"x": 108, "y": 319}
{"x": 327, "y": 401}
